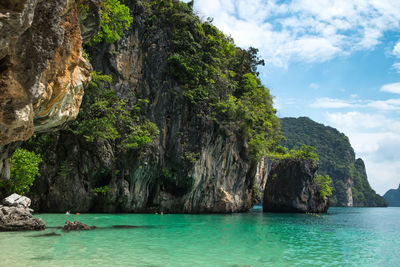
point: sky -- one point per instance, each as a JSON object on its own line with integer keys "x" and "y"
{"x": 335, "y": 61}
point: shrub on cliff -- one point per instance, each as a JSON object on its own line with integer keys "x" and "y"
{"x": 325, "y": 185}
{"x": 304, "y": 152}
{"x": 115, "y": 18}
{"x": 103, "y": 114}
{"x": 24, "y": 169}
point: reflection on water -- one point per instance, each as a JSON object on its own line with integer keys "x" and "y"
{"x": 344, "y": 236}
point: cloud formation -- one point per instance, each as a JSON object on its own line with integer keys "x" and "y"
{"x": 391, "y": 104}
{"x": 304, "y": 30}
{"x": 391, "y": 88}
{"x": 331, "y": 103}
{"x": 396, "y": 50}
{"x": 396, "y": 67}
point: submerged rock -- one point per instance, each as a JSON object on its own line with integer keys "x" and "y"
{"x": 291, "y": 188}
{"x": 15, "y": 215}
{"x": 76, "y": 226}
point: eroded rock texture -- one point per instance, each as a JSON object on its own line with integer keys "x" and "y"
{"x": 195, "y": 166}
{"x": 15, "y": 215}
{"x": 291, "y": 188}
{"x": 42, "y": 71}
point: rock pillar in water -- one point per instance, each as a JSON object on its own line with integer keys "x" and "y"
{"x": 291, "y": 188}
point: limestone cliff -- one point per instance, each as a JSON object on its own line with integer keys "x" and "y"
{"x": 42, "y": 71}
{"x": 196, "y": 165}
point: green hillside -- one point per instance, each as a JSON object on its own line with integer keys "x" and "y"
{"x": 392, "y": 196}
{"x": 337, "y": 158}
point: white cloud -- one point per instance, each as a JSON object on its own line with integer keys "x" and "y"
{"x": 304, "y": 30}
{"x": 385, "y": 105}
{"x": 396, "y": 66}
{"x": 314, "y": 86}
{"x": 376, "y": 139}
{"x": 391, "y": 88}
{"x": 396, "y": 50}
{"x": 331, "y": 103}
{"x": 355, "y": 103}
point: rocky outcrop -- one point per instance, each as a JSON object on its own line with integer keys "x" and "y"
{"x": 42, "y": 71}
{"x": 291, "y": 188}
{"x": 15, "y": 215}
{"x": 392, "y": 196}
{"x": 196, "y": 166}
{"x": 76, "y": 226}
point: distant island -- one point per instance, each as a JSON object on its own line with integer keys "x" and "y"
{"x": 392, "y": 196}
{"x": 337, "y": 159}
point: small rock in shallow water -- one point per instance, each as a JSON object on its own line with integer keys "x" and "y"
{"x": 76, "y": 226}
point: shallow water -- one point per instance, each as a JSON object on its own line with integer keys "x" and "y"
{"x": 344, "y": 236}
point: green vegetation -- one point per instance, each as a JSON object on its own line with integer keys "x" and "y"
{"x": 190, "y": 157}
{"x": 218, "y": 78}
{"x": 24, "y": 169}
{"x": 304, "y": 152}
{"x": 115, "y": 19}
{"x": 65, "y": 169}
{"x": 336, "y": 159}
{"x": 100, "y": 190}
{"x": 105, "y": 115}
{"x": 325, "y": 185}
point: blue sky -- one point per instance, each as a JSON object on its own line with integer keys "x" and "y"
{"x": 335, "y": 61}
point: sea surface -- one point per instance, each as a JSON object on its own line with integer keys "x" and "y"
{"x": 342, "y": 237}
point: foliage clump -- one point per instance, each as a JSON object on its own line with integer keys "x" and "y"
{"x": 103, "y": 114}
{"x": 304, "y": 152}
{"x": 325, "y": 185}
{"x": 103, "y": 190}
{"x": 24, "y": 169}
{"x": 115, "y": 19}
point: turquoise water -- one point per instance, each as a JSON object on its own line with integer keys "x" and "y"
{"x": 343, "y": 237}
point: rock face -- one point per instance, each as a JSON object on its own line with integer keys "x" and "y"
{"x": 15, "y": 215}
{"x": 76, "y": 226}
{"x": 42, "y": 71}
{"x": 393, "y": 197}
{"x": 291, "y": 188}
{"x": 217, "y": 177}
